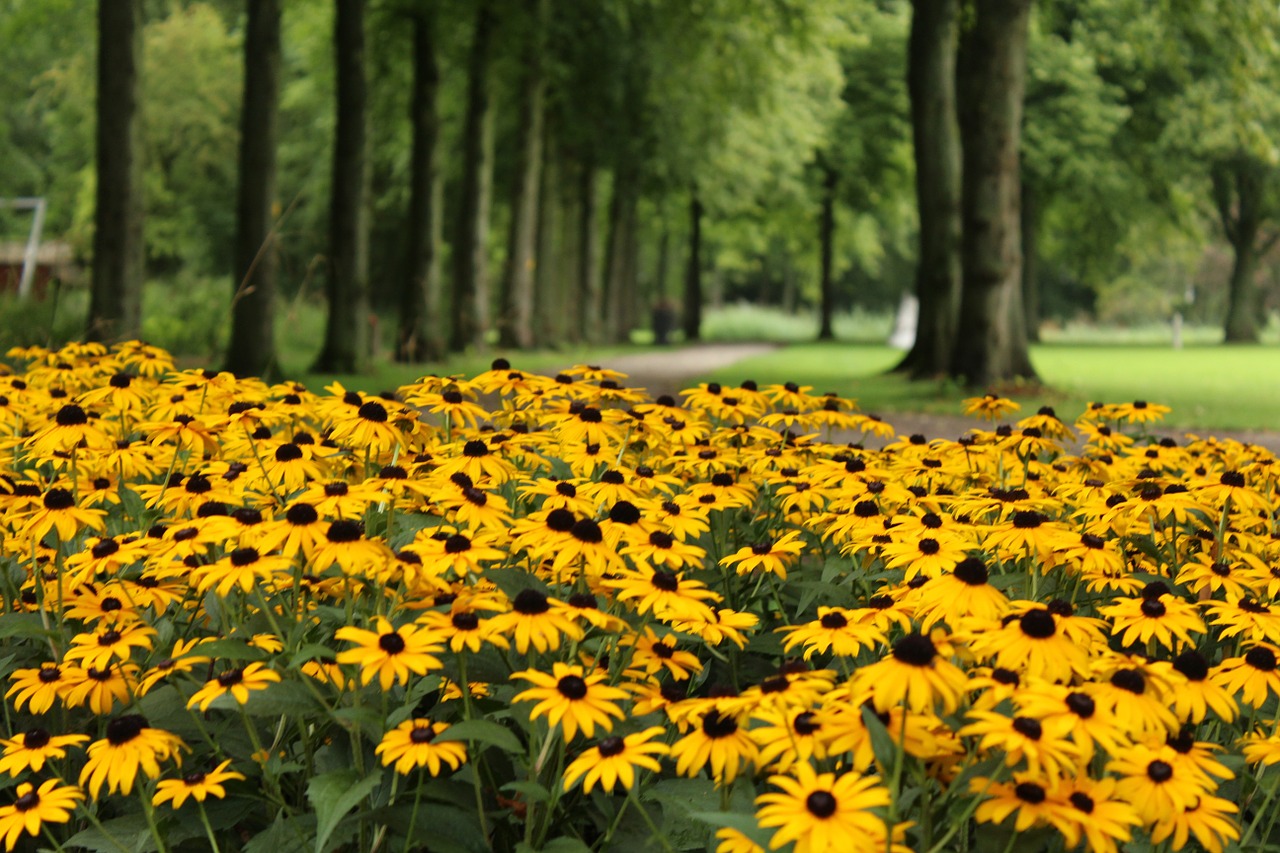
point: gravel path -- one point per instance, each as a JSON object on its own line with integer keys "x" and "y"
{"x": 668, "y": 370}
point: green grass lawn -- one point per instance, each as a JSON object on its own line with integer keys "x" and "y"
{"x": 1207, "y": 386}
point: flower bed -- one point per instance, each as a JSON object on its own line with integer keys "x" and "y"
{"x": 514, "y": 612}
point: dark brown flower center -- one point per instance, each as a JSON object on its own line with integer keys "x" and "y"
{"x": 572, "y": 687}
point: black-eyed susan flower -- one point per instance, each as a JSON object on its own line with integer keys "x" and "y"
{"x": 113, "y": 643}
{"x": 668, "y": 595}
{"x": 52, "y": 802}
{"x": 787, "y": 736}
{"x": 614, "y": 760}
{"x": 836, "y": 630}
{"x": 1252, "y": 676}
{"x": 1044, "y": 747}
{"x": 537, "y": 620}
{"x": 724, "y": 624}
{"x": 1208, "y": 820}
{"x": 963, "y": 592}
{"x": 913, "y": 672}
{"x": 100, "y": 688}
{"x": 771, "y": 555}
{"x": 571, "y": 699}
{"x": 1102, "y": 819}
{"x": 129, "y": 747}
{"x": 59, "y": 513}
{"x": 823, "y": 811}
{"x": 1156, "y": 616}
{"x": 238, "y": 682}
{"x": 31, "y": 749}
{"x": 1028, "y": 799}
{"x": 197, "y": 785}
{"x": 652, "y": 654}
{"x": 38, "y": 687}
{"x": 1031, "y": 643}
{"x": 415, "y": 743}
{"x": 719, "y": 741}
{"x": 390, "y": 653}
{"x": 989, "y": 406}
{"x": 1153, "y": 784}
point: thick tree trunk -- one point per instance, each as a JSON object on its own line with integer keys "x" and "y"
{"x": 588, "y": 258}
{"x": 618, "y": 284}
{"x": 549, "y": 272}
{"x": 119, "y": 254}
{"x": 470, "y": 255}
{"x": 420, "y": 335}
{"x": 515, "y": 323}
{"x": 1242, "y": 326}
{"x": 252, "y": 348}
{"x": 692, "y": 320}
{"x": 990, "y": 345}
{"x": 1239, "y": 189}
{"x": 931, "y": 83}
{"x": 826, "y": 241}
{"x": 347, "y": 332}
{"x": 1030, "y": 227}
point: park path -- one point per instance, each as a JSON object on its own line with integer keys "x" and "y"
{"x": 667, "y": 370}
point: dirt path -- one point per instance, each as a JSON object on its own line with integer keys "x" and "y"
{"x": 668, "y": 370}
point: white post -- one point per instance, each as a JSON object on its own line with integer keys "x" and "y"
{"x": 32, "y": 256}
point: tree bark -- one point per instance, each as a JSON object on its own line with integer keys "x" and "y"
{"x": 347, "y": 332}
{"x": 618, "y": 284}
{"x": 826, "y": 240}
{"x": 251, "y": 350}
{"x": 692, "y": 320}
{"x": 931, "y": 83}
{"x": 470, "y": 249}
{"x": 1030, "y": 228}
{"x": 588, "y": 313}
{"x": 515, "y": 323}
{"x": 119, "y": 253}
{"x": 990, "y": 345}
{"x": 549, "y": 272}
{"x": 420, "y": 336}
{"x": 1239, "y": 190}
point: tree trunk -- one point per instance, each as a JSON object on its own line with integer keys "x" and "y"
{"x": 515, "y": 323}
{"x": 827, "y": 240}
{"x": 420, "y": 335}
{"x": 588, "y": 258}
{"x": 347, "y": 331}
{"x": 470, "y": 255}
{"x": 990, "y": 344}
{"x": 119, "y": 253}
{"x": 1239, "y": 190}
{"x": 549, "y": 272}
{"x": 1030, "y": 227}
{"x": 618, "y": 289}
{"x": 692, "y": 320}
{"x": 931, "y": 82}
{"x": 251, "y": 350}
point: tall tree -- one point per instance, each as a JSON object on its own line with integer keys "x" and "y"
{"x": 515, "y": 322}
{"x": 420, "y": 334}
{"x": 347, "y": 330}
{"x": 251, "y": 350}
{"x": 931, "y": 83}
{"x": 991, "y": 344}
{"x": 692, "y": 318}
{"x": 826, "y": 252}
{"x": 1246, "y": 198}
{"x": 589, "y": 290}
{"x": 470, "y": 248}
{"x": 115, "y": 297}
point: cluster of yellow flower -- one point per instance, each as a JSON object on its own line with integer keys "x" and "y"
{"x": 1069, "y": 629}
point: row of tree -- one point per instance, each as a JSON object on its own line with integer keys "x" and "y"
{"x": 539, "y": 172}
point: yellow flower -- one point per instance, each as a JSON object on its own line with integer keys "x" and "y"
{"x": 415, "y": 743}
{"x": 198, "y": 785}
{"x": 390, "y": 653}
{"x": 821, "y": 812}
{"x": 238, "y": 681}
{"x": 130, "y": 746}
{"x": 35, "y": 807}
{"x": 614, "y": 760}
{"x": 571, "y": 699}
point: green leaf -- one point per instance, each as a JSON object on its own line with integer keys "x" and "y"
{"x": 563, "y": 844}
{"x": 231, "y": 650}
{"x": 22, "y": 625}
{"x": 484, "y": 731}
{"x": 310, "y": 652}
{"x": 744, "y": 822}
{"x": 333, "y": 795}
{"x": 882, "y": 743}
{"x": 360, "y": 718}
{"x": 130, "y": 831}
{"x": 532, "y": 791}
{"x": 286, "y": 835}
